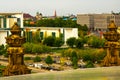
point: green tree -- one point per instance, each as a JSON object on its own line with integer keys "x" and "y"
{"x": 45, "y": 22}
{"x": 49, "y": 41}
{"x": 74, "y": 59}
{"x": 96, "y": 42}
{"x": 59, "y": 22}
{"x": 71, "y": 41}
{"x": 58, "y": 42}
{"x": 49, "y": 60}
{"x": 36, "y": 37}
{"x": 79, "y": 43}
{"x": 37, "y": 59}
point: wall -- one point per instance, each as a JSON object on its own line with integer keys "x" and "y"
{"x": 47, "y": 31}
{"x": 3, "y": 34}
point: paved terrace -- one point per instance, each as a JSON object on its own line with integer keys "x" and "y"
{"x": 100, "y": 73}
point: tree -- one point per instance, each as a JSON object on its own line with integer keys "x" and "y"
{"x": 58, "y": 42}
{"x": 71, "y": 41}
{"x": 59, "y": 22}
{"x": 36, "y": 37}
{"x": 79, "y": 43}
{"x": 49, "y": 41}
{"x": 96, "y": 42}
{"x": 49, "y": 60}
{"x": 74, "y": 59}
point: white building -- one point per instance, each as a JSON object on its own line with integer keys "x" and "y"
{"x": 44, "y": 32}
{"x": 6, "y": 22}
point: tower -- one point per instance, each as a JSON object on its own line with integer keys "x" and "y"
{"x": 55, "y": 14}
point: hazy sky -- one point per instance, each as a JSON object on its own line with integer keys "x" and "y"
{"x": 62, "y": 7}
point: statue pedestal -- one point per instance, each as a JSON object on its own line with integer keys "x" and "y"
{"x": 16, "y": 64}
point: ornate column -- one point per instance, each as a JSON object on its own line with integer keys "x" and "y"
{"x": 112, "y": 46}
{"x": 16, "y": 64}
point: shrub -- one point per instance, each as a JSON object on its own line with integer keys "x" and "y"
{"x": 58, "y": 42}
{"x": 88, "y": 54}
{"x": 49, "y": 60}
{"x": 92, "y": 54}
{"x": 79, "y": 43}
{"x": 67, "y": 53}
{"x": 89, "y": 64}
{"x": 37, "y": 59}
{"x": 74, "y": 59}
{"x": 75, "y": 63}
{"x": 37, "y": 48}
{"x": 71, "y": 41}
{"x": 96, "y": 42}
{"x": 27, "y": 58}
{"x": 28, "y": 47}
{"x": 3, "y": 50}
{"x": 46, "y": 49}
{"x": 49, "y": 41}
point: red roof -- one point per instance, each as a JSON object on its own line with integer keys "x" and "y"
{"x": 26, "y": 15}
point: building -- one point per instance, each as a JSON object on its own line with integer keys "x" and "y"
{"x": 98, "y": 21}
{"x": 44, "y": 32}
{"x": 28, "y": 19}
{"x": 8, "y": 19}
{"x": 85, "y": 19}
{"x": 6, "y": 22}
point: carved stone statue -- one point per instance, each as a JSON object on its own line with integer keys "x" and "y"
{"x": 16, "y": 64}
{"x": 112, "y": 46}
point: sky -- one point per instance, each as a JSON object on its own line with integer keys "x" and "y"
{"x": 62, "y": 7}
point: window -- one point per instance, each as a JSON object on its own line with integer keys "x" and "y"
{"x": 41, "y": 35}
{"x": 0, "y": 23}
{"x": 30, "y": 36}
{"x": 4, "y": 22}
{"x": 53, "y": 34}
{"x": 18, "y": 21}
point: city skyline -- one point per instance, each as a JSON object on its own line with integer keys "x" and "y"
{"x": 62, "y": 7}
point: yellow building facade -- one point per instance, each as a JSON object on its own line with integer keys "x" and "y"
{"x": 43, "y": 32}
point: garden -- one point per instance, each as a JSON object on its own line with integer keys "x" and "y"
{"x": 51, "y": 56}
{"x": 86, "y": 51}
